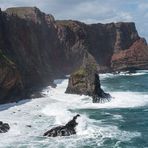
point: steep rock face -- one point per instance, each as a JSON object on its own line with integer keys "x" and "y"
{"x": 10, "y": 80}
{"x": 73, "y": 39}
{"x": 85, "y": 81}
{"x": 82, "y": 81}
{"x": 32, "y": 44}
{"x": 100, "y": 40}
{"x": 136, "y": 57}
{"x": 43, "y": 49}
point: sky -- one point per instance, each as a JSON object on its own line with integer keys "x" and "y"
{"x": 92, "y": 11}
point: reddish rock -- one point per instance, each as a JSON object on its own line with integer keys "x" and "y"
{"x": 85, "y": 81}
{"x": 100, "y": 40}
{"x": 136, "y": 57}
{"x": 43, "y": 49}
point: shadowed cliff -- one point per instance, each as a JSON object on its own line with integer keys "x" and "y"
{"x": 43, "y": 49}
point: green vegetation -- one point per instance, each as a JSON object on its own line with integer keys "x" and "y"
{"x": 93, "y": 66}
{"x": 80, "y": 72}
{"x": 2, "y": 56}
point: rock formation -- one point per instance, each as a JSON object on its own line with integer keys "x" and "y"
{"x": 43, "y": 49}
{"x": 4, "y": 127}
{"x": 99, "y": 95}
{"x": 66, "y": 130}
{"x": 134, "y": 58}
{"x": 86, "y": 81}
{"x": 10, "y": 79}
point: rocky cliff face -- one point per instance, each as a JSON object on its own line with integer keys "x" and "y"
{"x": 136, "y": 57}
{"x": 82, "y": 80}
{"x": 85, "y": 81}
{"x": 102, "y": 41}
{"x": 43, "y": 49}
{"x": 10, "y": 80}
{"x": 28, "y": 38}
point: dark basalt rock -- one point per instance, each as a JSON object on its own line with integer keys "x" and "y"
{"x": 4, "y": 127}
{"x": 66, "y": 130}
{"x": 85, "y": 81}
{"x": 99, "y": 95}
{"x": 55, "y": 48}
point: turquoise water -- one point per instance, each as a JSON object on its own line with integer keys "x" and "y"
{"x": 121, "y": 123}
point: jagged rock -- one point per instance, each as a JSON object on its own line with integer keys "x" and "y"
{"x": 43, "y": 49}
{"x": 66, "y": 130}
{"x": 4, "y": 127}
{"x": 86, "y": 81}
{"x": 99, "y": 95}
{"x": 134, "y": 58}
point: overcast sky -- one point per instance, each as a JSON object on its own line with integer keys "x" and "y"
{"x": 92, "y": 11}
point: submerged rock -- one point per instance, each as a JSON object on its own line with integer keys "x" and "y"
{"x": 66, "y": 130}
{"x": 85, "y": 81}
{"x": 4, "y": 127}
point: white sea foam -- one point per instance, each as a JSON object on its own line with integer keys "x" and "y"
{"x": 55, "y": 109}
{"x": 126, "y": 73}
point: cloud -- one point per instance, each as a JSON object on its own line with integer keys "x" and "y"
{"x": 143, "y": 6}
{"x": 91, "y": 11}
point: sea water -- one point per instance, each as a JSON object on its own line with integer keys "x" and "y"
{"x": 120, "y": 123}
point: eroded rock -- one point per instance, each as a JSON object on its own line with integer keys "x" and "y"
{"x": 66, "y": 130}
{"x": 99, "y": 95}
{"x": 4, "y": 127}
{"x": 56, "y": 48}
{"x": 85, "y": 81}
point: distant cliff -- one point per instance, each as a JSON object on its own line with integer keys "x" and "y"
{"x": 35, "y": 49}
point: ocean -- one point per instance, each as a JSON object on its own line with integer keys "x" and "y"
{"x": 120, "y": 123}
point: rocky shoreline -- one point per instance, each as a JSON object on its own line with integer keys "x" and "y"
{"x": 35, "y": 49}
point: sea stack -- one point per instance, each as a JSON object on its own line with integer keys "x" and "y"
{"x": 85, "y": 81}
{"x": 66, "y": 130}
{"x": 36, "y": 49}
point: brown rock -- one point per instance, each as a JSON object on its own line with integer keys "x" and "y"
{"x": 10, "y": 80}
{"x": 43, "y": 49}
{"x": 136, "y": 57}
{"x": 86, "y": 81}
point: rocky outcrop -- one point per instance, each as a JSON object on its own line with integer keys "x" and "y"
{"x": 136, "y": 57}
{"x": 43, "y": 49}
{"x": 66, "y": 130}
{"x": 4, "y": 127}
{"x": 85, "y": 81}
{"x": 99, "y": 96}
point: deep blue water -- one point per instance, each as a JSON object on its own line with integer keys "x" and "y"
{"x": 120, "y": 123}
{"x": 131, "y": 119}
